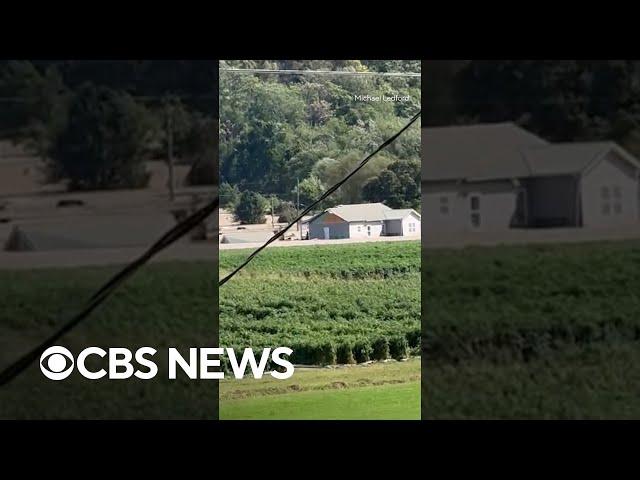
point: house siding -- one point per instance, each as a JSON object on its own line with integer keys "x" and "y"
{"x": 497, "y": 206}
{"x": 376, "y": 229}
{"x": 338, "y": 228}
{"x": 612, "y": 173}
{"x": 406, "y": 231}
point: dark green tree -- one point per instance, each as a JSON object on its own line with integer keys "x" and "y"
{"x": 310, "y": 189}
{"x": 397, "y": 186}
{"x": 251, "y": 208}
{"x": 103, "y": 143}
{"x": 229, "y": 196}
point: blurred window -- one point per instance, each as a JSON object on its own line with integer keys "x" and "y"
{"x": 444, "y": 205}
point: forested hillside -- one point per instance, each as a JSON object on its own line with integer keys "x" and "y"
{"x": 278, "y": 131}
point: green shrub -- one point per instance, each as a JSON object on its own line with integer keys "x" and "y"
{"x": 344, "y": 353}
{"x": 362, "y": 351}
{"x": 380, "y": 349}
{"x": 398, "y": 347}
{"x": 413, "y": 337}
{"x": 324, "y": 354}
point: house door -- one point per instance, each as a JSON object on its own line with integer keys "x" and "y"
{"x": 326, "y": 233}
{"x": 475, "y": 218}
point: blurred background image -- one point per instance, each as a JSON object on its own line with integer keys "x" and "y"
{"x": 98, "y": 159}
{"x": 531, "y": 239}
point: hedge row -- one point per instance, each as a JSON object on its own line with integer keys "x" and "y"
{"x": 356, "y": 351}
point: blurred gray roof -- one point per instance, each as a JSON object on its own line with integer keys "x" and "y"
{"x": 501, "y": 151}
{"x": 73, "y": 232}
{"x": 476, "y": 151}
{"x": 566, "y": 158}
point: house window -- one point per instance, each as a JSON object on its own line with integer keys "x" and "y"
{"x": 475, "y": 220}
{"x": 359, "y": 228}
{"x": 475, "y": 203}
{"x": 444, "y": 205}
{"x": 412, "y": 228}
{"x": 611, "y": 197}
{"x": 369, "y": 230}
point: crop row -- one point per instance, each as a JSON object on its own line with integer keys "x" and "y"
{"x": 324, "y": 320}
{"x": 370, "y": 260}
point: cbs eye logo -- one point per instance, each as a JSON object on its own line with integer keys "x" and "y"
{"x": 56, "y": 363}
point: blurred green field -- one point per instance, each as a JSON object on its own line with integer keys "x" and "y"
{"x": 165, "y": 304}
{"x": 546, "y": 331}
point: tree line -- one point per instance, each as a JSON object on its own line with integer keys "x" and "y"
{"x": 285, "y": 138}
{"x": 96, "y": 123}
{"x": 560, "y": 100}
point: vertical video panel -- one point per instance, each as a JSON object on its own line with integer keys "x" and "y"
{"x": 98, "y": 160}
{"x": 530, "y": 239}
{"x": 339, "y": 284}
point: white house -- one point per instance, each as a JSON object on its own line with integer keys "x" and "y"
{"x": 499, "y": 176}
{"x": 364, "y": 220}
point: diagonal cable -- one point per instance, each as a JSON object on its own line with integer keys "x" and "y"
{"x": 280, "y": 233}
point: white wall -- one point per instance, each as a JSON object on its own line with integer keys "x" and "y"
{"x": 376, "y": 229}
{"x": 610, "y": 173}
{"x": 405, "y": 226}
{"x": 497, "y": 206}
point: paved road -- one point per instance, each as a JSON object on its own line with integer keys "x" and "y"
{"x": 209, "y": 251}
{"x": 306, "y": 243}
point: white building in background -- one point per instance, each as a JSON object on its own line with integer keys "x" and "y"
{"x": 365, "y": 220}
{"x": 495, "y": 177}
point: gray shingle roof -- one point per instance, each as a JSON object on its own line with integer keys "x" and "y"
{"x": 365, "y": 212}
{"x": 369, "y": 212}
{"x": 400, "y": 213}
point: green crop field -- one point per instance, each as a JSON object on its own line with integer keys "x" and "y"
{"x": 330, "y": 304}
{"x": 549, "y": 331}
{"x": 343, "y": 304}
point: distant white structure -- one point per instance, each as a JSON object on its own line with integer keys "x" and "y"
{"x": 495, "y": 177}
{"x": 364, "y": 220}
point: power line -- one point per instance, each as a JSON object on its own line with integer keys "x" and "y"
{"x": 320, "y": 72}
{"x": 110, "y": 286}
{"x": 165, "y": 241}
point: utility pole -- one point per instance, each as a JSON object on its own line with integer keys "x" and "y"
{"x": 298, "y": 200}
{"x": 272, "y": 224}
{"x": 172, "y": 193}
